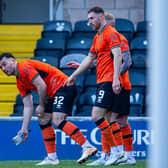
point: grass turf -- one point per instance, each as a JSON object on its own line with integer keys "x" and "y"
{"x": 63, "y": 164}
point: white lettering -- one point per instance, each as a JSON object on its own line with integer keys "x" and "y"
{"x": 63, "y": 138}
{"x": 93, "y": 136}
{"x": 139, "y": 153}
{"x": 143, "y": 135}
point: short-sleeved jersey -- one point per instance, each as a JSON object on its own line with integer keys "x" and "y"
{"x": 103, "y": 42}
{"x": 125, "y": 77}
{"x": 28, "y": 70}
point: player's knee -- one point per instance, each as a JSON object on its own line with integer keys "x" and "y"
{"x": 96, "y": 117}
{"x": 45, "y": 119}
{"x": 58, "y": 119}
{"x": 97, "y": 113}
{"x": 122, "y": 122}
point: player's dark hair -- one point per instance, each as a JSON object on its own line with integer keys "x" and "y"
{"x": 7, "y": 55}
{"x": 96, "y": 10}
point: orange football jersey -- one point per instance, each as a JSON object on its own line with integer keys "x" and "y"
{"x": 28, "y": 70}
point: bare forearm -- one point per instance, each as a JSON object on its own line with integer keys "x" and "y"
{"x": 27, "y": 115}
{"x": 117, "y": 64}
{"x": 117, "y": 59}
{"x": 42, "y": 92}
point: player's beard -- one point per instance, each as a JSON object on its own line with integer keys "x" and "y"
{"x": 10, "y": 72}
{"x": 96, "y": 26}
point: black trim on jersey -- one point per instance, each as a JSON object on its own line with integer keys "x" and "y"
{"x": 62, "y": 124}
{"x": 28, "y": 92}
{"x": 42, "y": 73}
{"x": 75, "y": 131}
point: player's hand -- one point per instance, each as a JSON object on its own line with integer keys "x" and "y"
{"x": 116, "y": 87}
{"x": 25, "y": 132}
{"x": 40, "y": 110}
{"x": 73, "y": 64}
{"x": 70, "y": 81}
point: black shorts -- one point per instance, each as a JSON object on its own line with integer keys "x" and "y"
{"x": 122, "y": 102}
{"x": 106, "y": 98}
{"x": 62, "y": 101}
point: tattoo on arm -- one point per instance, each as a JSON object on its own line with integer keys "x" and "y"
{"x": 126, "y": 56}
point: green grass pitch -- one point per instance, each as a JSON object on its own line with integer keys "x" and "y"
{"x": 63, "y": 164}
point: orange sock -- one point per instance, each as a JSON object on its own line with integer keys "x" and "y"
{"x": 127, "y": 138}
{"x": 105, "y": 145}
{"x": 73, "y": 131}
{"x": 49, "y": 137}
{"x": 107, "y": 138}
{"x": 117, "y": 133}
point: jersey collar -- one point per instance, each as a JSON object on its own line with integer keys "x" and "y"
{"x": 102, "y": 29}
{"x": 17, "y": 71}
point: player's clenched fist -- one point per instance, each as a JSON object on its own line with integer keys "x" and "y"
{"x": 70, "y": 81}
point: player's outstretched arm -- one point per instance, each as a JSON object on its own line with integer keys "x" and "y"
{"x": 86, "y": 63}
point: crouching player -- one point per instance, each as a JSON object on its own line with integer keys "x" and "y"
{"x": 55, "y": 103}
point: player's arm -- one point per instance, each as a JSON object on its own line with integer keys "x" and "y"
{"x": 86, "y": 63}
{"x": 74, "y": 64}
{"x": 27, "y": 111}
{"x": 127, "y": 62}
{"x": 27, "y": 115}
{"x": 39, "y": 83}
{"x": 117, "y": 59}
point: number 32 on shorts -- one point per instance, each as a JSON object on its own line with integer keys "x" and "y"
{"x": 58, "y": 100}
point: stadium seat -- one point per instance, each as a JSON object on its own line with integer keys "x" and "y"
{"x": 143, "y": 28}
{"x": 136, "y": 102}
{"x": 57, "y": 29}
{"x": 18, "y": 106}
{"x": 136, "y": 110}
{"x": 8, "y": 92}
{"x": 138, "y": 91}
{"x": 86, "y": 102}
{"x": 20, "y": 32}
{"x": 139, "y": 45}
{"x": 4, "y": 79}
{"x": 137, "y": 77}
{"x": 18, "y": 48}
{"x": 50, "y": 47}
{"x": 71, "y": 57}
{"x": 78, "y": 45}
{"x": 54, "y": 61}
{"x": 83, "y": 29}
{"x": 6, "y": 108}
{"x": 139, "y": 60}
{"x": 90, "y": 81}
{"x": 125, "y": 27}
